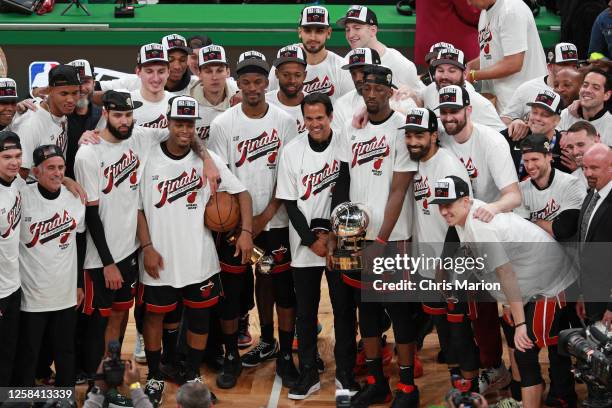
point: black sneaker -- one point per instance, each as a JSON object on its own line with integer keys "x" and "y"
{"x": 81, "y": 378}
{"x": 346, "y": 381}
{"x": 307, "y": 383}
{"x": 230, "y": 372}
{"x": 372, "y": 393}
{"x": 154, "y": 389}
{"x": 320, "y": 363}
{"x": 407, "y": 396}
{"x": 260, "y": 353}
{"x": 173, "y": 372}
{"x": 285, "y": 369}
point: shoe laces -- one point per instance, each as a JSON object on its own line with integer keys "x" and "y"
{"x": 260, "y": 346}
{"x": 157, "y": 385}
{"x": 197, "y": 379}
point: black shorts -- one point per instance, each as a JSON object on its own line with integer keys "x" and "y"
{"x": 454, "y": 312}
{"x": 98, "y": 296}
{"x": 164, "y": 299}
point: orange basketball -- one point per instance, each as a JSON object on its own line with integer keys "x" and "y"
{"x": 222, "y": 212}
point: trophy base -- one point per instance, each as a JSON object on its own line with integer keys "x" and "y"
{"x": 345, "y": 260}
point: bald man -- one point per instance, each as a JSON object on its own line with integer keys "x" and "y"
{"x": 567, "y": 83}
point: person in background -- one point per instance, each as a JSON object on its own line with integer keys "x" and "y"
{"x": 601, "y": 36}
{"x": 195, "y": 43}
{"x": 567, "y": 83}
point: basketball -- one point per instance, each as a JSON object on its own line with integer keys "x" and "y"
{"x": 222, "y": 212}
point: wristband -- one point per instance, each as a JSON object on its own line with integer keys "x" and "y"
{"x": 135, "y": 386}
{"x": 142, "y": 247}
{"x": 246, "y": 230}
{"x": 380, "y": 240}
{"x": 519, "y": 324}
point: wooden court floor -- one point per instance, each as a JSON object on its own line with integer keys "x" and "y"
{"x": 256, "y": 386}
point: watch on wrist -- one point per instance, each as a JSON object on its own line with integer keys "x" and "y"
{"x": 135, "y": 386}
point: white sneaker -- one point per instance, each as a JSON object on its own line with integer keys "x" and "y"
{"x": 493, "y": 379}
{"x": 139, "y": 350}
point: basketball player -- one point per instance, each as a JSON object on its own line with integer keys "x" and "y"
{"x": 8, "y": 102}
{"x": 578, "y": 139}
{"x": 52, "y": 217}
{"x": 248, "y": 138}
{"x": 427, "y": 78}
{"x": 323, "y": 73}
{"x": 376, "y": 170}
{"x": 172, "y": 195}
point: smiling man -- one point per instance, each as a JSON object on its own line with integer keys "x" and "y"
{"x": 8, "y": 102}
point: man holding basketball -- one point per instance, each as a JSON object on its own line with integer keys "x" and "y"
{"x": 179, "y": 256}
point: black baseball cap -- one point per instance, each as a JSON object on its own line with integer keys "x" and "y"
{"x": 452, "y": 56}
{"x": 252, "y": 61}
{"x": 435, "y": 49}
{"x": 358, "y": 14}
{"x": 535, "y": 143}
{"x": 361, "y": 57}
{"x": 8, "y": 90}
{"x": 290, "y": 53}
{"x": 119, "y": 101}
{"x": 453, "y": 96}
{"x": 64, "y": 75}
{"x": 378, "y": 74}
{"x": 9, "y": 140}
{"x": 44, "y": 152}
{"x": 450, "y": 189}
{"x": 421, "y": 119}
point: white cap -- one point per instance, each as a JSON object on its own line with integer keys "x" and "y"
{"x": 176, "y": 42}
{"x": 314, "y": 16}
{"x": 152, "y": 53}
{"x": 212, "y": 54}
{"x": 84, "y": 68}
{"x": 183, "y": 107}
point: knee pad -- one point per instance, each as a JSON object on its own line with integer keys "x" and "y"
{"x": 529, "y": 367}
{"x": 198, "y": 320}
{"x": 461, "y": 342}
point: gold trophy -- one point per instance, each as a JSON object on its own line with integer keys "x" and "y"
{"x": 349, "y": 221}
{"x": 263, "y": 263}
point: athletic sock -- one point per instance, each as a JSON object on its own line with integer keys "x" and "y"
{"x": 375, "y": 369}
{"x": 169, "y": 340}
{"x": 267, "y": 333}
{"x": 153, "y": 358}
{"x": 231, "y": 344}
{"x": 285, "y": 339}
{"x": 406, "y": 375}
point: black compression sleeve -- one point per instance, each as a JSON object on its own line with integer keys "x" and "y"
{"x": 81, "y": 243}
{"x": 342, "y": 187}
{"x": 566, "y": 224}
{"x": 299, "y": 222}
{"x": 96, "y": 230}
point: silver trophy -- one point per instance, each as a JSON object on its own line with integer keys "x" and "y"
{"x": 349, "y": 221}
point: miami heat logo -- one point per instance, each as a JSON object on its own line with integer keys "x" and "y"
{"x": 373, "y": 149}
{"x": 207, "y": 289}
{"x": 421, "y": 190}
{"x": 319, "y": 85}
{"x": 470, "y": 167}
{"x": 119, "y": 171}
{"x": 320, "y": 180}
{"x": 202, "y": 133}
{"x": 279, "y": 254}
{"x": 13, "y": 217}
{"x": 56, "y": 226}
{"x": 484, "y": 39}
{"x": 547, "y": 212}
{"x": 160, "y": 123}
{"x": 186, "y": 184}
{"x": 266, "y": 144}
{"x": 301, "y": 127}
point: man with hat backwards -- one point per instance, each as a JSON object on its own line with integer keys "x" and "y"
{"x": 51, "y": 218}
{"x": 448, "y": 68}
{"x": 360, "y": 27}
{"x": 8, "y": 102}
{"x": 534, "y": 292}
{"x": 484, "y": 153}
{"x": 10, "y": 284}
{"x": 323, "y": 73}
{"x": 376, "y": 170}
{"x": 180, "y": 261}
{"x": 249, "y": 137}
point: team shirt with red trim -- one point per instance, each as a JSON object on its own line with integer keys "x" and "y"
{"x": 250, "y": 147}
{"x": 208, "y": 112}
{"x": 307, "y": 177}
{"x": 487, "y": 160}
{"x": 173, "y": 197}
{"x": 294, "y": 111}
{"x": 110, "y": 174}
{"x": 10, "y": 217}
{"x": 373, "y": 154}
{"x": 47, "y": 249}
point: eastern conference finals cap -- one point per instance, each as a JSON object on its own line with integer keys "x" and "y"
{"x": 535, "y": 143}
{"x": 314, "y": 16}
{"x": 212, "y": 54}
{"x": 450, "y": 189}
{"x": 549, "y": 100}
{"x": 360, "y": 57}
{"x": 358, "y": 14}
{"x": 435, "y": 49}
{"x": 8, "y": 90}
{"x": 9, "y": 140}
{"x": 252, "y": 61}
{"x": 119, "y": 101}
{"x": 564, "y": 52}
{"x": 64, "y": 75}
{"x": 378, "y": 74}
{"x": 421, "y": 120}
{"x": 453, "y": 96}
{"x": 290, "y": 53}
{"x": 450, "y": 56}
{"x": 183, "y": 107}
{"x": 84, "y": 67}
{"x": 176, "y": 42}
{"x": 152, "y": 53}
{"x": 44, "y": 152}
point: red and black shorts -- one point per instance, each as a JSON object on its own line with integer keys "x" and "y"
{"x": 98, "y": 296}
{"x": 454, "y": 312}
{"x": 164, "y": 299}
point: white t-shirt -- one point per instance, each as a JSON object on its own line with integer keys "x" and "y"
{"x": 579, "y": 174}
{"x": 483, "y": 111}
{"x": 10, "y": 216}
{"x": 47, "y": 250}
{"x": 404, "y": 71}
{"x": 538, "y": 261}
{"x": 110, "y": 174}
{"x": 373, "y": 154}
{"x": 326, "y": 77}
{"x": 251, "y": 147}
{"x": 294, "y": 111}
{"x": 37, "y": 128}
{"x": 509, "y": 28}
{"x": 207, "y": 111}
{"x": 517, "y": 107}
{"x": 344, "y": 108}
{"x": 307, "y": 177}
{"x": 174, "y": 200}
{"x": 131, "y": 82}
{"x": 564, "y": 193}
{"x": 487, "y": 159}
{"x": 603, "y": 125}
{"x": 429, "y": 227}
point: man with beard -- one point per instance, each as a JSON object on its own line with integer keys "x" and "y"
{"x": 323, "y": 73}
{"x": 290, "y": 64}
{"x": 248, "y": 138}
{"x": 375, "y": 170}
{"x": 8, "y": 102}
{"x": 449, "y": 69}
{"x": 567, "y": 84}
{"x": 578, "y": 139}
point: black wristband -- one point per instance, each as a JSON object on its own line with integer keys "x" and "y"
{"x": 519, "y": 324}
